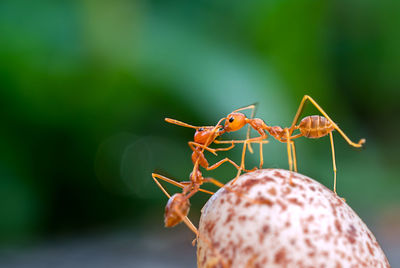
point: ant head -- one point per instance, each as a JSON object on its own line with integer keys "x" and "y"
{"x": 177, "y": 207}
{"x": 202, "y": 134}
{"x": 234, "y": 121}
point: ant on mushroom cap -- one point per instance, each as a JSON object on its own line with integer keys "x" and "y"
{"x": 313, "y": 127}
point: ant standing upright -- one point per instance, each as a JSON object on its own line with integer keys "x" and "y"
{"x": 313, "y": 127}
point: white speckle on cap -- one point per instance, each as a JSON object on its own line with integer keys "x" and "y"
{"x": 264, "y": 221}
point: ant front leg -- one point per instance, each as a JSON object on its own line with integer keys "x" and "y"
{"x": 289, "y": 149}
{"x": 253, "y": 112}
{"x": 316, "y": 105}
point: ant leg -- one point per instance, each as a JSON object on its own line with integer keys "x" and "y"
{"x": 185, "y": 219}
{"x": 297, "y": 116}
{"x": 161, "y": 187}
{"x": 261, "y": 155}
{"x": 294, "y": 156}
{"x": 253, "y": 111}
{"x": 186, "y": 183}
{"x": 215, "y": 182}
{"x": 300, "y": 109}
{"x": 241, "y": 163}
{"x": 221, "y": 162}
{"x": 259, "y": 139}
{"x": 180, "y": 185}
{"x": 227, "y": 148}
{"x": 192, "y": 144}
{"x": 289, "y": 151}
{"x": 252, "y": 140}
{"x": 333, "y": 161}
{"x": 155, "y": 176}
{"x": 189, "y": 224}
{"x": 292, "y": 147}
{"x": 214, "y": 166}
{"x": 296, "y": 136}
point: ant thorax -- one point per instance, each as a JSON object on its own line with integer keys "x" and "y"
{"x": 203, "y": 135}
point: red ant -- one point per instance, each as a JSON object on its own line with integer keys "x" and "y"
{"x": 313, "y": 127}
{"x": 178, "y": 205}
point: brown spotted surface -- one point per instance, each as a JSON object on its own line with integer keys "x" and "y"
{"x": 264, "y": 221}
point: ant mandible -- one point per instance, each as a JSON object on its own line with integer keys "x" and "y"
{"x": 313, "y": 127}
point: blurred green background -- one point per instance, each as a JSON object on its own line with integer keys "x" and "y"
{"x": 85, "y": 87}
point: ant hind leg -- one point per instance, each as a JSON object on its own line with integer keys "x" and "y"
{"x": 185, "y": 219}
{"x": 316, "y": 105}
{"x": 333, "y": 161}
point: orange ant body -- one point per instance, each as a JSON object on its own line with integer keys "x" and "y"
{"x": 313, "y": 127}
{"x": 204, "y": 137}
{"x": 178, "y": 205}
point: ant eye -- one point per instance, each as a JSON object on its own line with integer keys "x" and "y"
{"x": 231, "y": 119}
{"x": 200, "y": 129}
{"x": 221, "y": 129}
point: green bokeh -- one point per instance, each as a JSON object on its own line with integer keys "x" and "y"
{"x": 85, "y": 87}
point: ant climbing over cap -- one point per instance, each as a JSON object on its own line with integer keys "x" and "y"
{"x": 178, "y": 205}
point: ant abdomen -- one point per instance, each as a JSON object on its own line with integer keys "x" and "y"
{"x": 177, "y": 207}
{"x": 315, "y": 126}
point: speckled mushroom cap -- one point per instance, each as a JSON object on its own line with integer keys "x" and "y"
{"x": 264, "y": 221}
